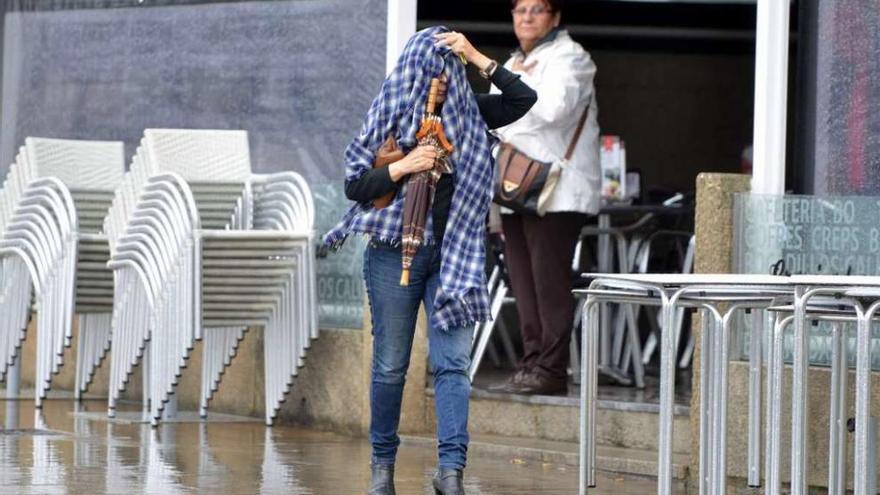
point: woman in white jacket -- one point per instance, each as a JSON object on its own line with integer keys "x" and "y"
{"x": 539, "y": 250}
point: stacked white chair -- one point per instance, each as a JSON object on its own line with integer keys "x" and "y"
{"x": 203, "y": 249}
{"x": 55, "y": 198}
{"x": 15, "y": 282}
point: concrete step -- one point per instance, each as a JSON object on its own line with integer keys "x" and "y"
{"x": 614, "y": 460}
{"x": 628, "y": 425}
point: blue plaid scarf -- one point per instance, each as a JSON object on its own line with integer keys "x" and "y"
{"x": 462, "y": 299}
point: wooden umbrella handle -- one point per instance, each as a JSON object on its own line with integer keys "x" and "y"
{"x": 432, "y": 96}
{"x": 430, "y": 106}
{"x": 441, "y": 136}
{"x": 432, "y": 124}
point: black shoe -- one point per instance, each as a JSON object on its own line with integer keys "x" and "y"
{"x": 381, "y": 479}
{"x": 512, "y": 384}
{"x": 449, "y": 482}
{"x": 539, "y": 384}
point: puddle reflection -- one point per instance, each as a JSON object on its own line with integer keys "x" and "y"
{"x": 48, "y": 473}
{"x": 123, "y": 464}
{"x": 57, "y": 452}
{"x": 162, "y": 474}
{"x": 210, "y": 470}
{"x": 9, "y": 464}
{"x": 277, "y": 476}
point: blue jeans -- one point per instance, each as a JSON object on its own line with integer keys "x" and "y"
{"x": 394, "y": 311}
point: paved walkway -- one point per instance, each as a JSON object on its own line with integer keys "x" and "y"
{"x": 60, "y": 453}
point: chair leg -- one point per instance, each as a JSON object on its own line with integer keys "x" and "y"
{"x": 487, "y": 329}
{"x": 688, "y": 354}
{"x": 574, "y": 359}
{"x": 92, "y": 346}
{"x": 220, "y": 346}
{"x": 635, "y": 346}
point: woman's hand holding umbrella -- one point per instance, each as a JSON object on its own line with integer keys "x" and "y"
{"x": 419, "y": 159}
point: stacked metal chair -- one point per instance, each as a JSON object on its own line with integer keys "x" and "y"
{"x": 15, "y": 282}
{"x": 55, "y": 198}
{"x": 203, "y": 249}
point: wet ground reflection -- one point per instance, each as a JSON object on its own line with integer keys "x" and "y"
{"x": 57, "y": 452}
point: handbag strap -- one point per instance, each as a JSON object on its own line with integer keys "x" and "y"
{"x": 577, "y": 133}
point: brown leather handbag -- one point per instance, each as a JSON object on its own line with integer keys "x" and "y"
{"x": 524, "y": 184}
{"x": 387, "y": 154}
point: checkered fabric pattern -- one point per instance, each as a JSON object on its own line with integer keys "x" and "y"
{"x": 462, "y": 300}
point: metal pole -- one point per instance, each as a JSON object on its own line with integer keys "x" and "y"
{"x": 635, "y": 350}
{"x": 771, "y": 92}
{"x": 872, "y": 456}
{"x": 861, "y": 480}
{"x": 589, "y": 382}
{"x": 604, "y": 255}
{"x": 13, "y": 377}
{"x": 717, "y": 402}
{"x": 722, "y": 352}
{"x": 621, "y": 328}
{"x": 707, "y": 337}
{"x": 755, "y": 354}
{"x": 145, "y": 378}
{"x": 837, "y": 434}
{"x": 667, "y": 395}
{"x": 593, "y": 383}
{"x": 774, "y": 400}
{"x": 81, "y": 356}
{"x": 486, "y": 333}
{"x": 768, "y": 393}
{"x": 13, "y": 374}
{"x": 799, "y": 404}
{"x": 584, "y": 469}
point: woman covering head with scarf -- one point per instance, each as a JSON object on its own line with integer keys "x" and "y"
{"x": 447, "y": 271}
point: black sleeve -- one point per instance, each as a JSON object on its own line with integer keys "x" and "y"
{"x": 515, "y": 100}
{"x": 372, "y": 185}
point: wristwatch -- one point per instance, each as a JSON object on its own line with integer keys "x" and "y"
{"x": 489, "y": 70}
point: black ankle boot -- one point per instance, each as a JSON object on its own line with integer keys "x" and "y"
{"x": 382, "y": 479}
{"x": 449, "y": 482}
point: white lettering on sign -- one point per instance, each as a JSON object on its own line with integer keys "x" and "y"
{"x": 811, "y": 234}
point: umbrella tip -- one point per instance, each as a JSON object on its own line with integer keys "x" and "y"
{"x": 404, "y": 277}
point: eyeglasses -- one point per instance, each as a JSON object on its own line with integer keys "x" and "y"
{"x": 535, "y": 10}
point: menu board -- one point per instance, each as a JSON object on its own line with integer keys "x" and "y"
{"x": 808, "y": 235}
{"x": 811, "y": 235}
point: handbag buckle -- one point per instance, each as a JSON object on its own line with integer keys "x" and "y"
{"x": 510, "y": 186}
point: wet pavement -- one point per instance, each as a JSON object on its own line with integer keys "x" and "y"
{"x": 57, "y": 452}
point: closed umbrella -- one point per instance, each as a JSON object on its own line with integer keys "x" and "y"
{"x": 420, "y": 189}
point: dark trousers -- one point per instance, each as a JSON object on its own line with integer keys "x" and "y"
{"x": 539, "y": 252}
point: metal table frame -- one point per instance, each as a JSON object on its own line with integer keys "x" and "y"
{"x": 863, "y": 295}
{"x": 671, "y": 291}
{"x": 705, "y": 293}
{"x": 830, "y": 311}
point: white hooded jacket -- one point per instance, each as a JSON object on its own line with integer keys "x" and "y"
{"x": 562, "y": 76}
